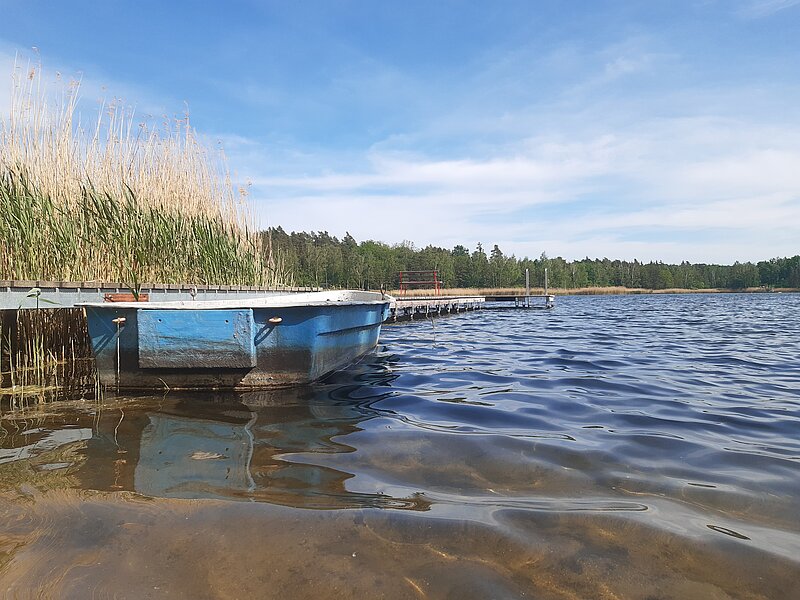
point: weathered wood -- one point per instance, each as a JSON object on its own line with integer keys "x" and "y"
{"x": 406, "y": 308}
{"x": 8, "y": 336}
{"x": 126, "y": 297}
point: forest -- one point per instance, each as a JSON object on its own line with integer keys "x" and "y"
{"x": 319, "y": 259}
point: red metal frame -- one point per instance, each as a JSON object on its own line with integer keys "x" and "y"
{"x": 430, "y": 278}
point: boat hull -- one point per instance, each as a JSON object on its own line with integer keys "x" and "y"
{"x": 229, "y": 347}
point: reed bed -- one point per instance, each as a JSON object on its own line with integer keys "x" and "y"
{"x": 100, "y": 237}
{"x": 45, "y": 354}
{"x": 120, "y": 200}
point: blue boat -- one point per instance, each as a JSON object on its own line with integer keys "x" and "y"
{"x": 259, "y": 343}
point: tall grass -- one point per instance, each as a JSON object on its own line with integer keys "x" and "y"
{"x": 99, "y": 237}
{"x": 45, "y": 354}
{"x": 120, "y": 200}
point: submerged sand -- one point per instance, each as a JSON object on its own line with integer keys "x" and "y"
{"x": 78, "y": 544}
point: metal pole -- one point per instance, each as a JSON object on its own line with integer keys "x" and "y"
{"x": 527, "y": 286}
{"x": 118, "y": 325}
{"x": 119, "y": 322}
{"x": 545, "y": 284}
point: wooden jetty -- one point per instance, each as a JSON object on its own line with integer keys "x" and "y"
{"x": 525, "y": 300}
{"x": 423, "y": 307}
{"x": 404, "y": 309}
{"x": 66, "y": 294}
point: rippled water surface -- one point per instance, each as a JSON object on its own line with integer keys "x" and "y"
{"x": 615, "y": 447}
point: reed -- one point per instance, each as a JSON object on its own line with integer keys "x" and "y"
{"x": 105, "y": 238}
{"x": 45, "y": 354}
{"x": 118, "y": 201}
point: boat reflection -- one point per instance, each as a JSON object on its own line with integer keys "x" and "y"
{"x": 242, "y": 447}
{"x": 254, "y": 446}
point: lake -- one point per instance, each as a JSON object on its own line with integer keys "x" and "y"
{"x": 640, "y": 447}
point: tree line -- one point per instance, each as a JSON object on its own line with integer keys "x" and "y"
{"x": 319, "y": 259}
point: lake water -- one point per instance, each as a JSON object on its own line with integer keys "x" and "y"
{"x": 640, "y": 447}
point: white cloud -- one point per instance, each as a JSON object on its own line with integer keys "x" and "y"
{"x": 605, "y": 196}
{"x": 459, "y": 181}
{"x": 765, "y": 8}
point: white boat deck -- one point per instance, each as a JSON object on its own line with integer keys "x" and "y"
{"x": 338, "y": 298}
{"x": 65, "y": 294}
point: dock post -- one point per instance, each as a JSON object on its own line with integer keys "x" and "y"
{"x": 527, "y": 287}
{"x": 545, "y": 284}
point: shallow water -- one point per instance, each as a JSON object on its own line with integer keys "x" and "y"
{"x": 615, "y": 447}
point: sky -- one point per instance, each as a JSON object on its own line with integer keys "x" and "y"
{"x": 658, "y": 130}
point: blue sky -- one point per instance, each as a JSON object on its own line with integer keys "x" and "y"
{"x": 658, "y": 130}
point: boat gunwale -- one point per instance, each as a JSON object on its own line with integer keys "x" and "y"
{"x": 301, "y": 300}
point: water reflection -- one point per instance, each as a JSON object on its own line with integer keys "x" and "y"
{"x": 222, "y": 446}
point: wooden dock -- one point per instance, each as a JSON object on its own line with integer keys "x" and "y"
{"x": 405, "y": 309}
{"x": 65, "y": 294}
{"x": 526, "y": 301}
{"x": 423, "y": 307}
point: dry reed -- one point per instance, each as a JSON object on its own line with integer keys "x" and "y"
{"x": 118, "y": 201}
{"x": 167, "y": 168}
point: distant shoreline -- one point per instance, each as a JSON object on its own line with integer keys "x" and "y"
{"x": 588, "y": 291}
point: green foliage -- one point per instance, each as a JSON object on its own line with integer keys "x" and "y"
{"x": 103, "y": 238}
{"x": 318, "y": 258}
